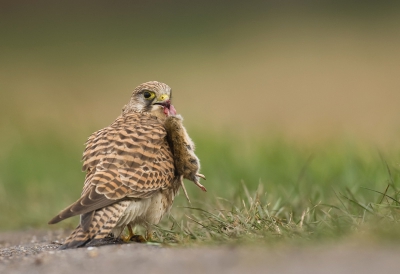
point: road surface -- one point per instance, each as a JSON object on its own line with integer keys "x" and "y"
{"x": 34, "y": 252}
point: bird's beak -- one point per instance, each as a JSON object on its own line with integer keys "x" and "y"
{"x": 164, "y": 101}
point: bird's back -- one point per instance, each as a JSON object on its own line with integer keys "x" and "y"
{"x": 128, "y": 161}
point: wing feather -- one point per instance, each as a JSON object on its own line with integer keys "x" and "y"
{"x": 129, "y": 159}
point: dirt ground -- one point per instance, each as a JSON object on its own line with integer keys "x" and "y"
{"x": 35, "y": 252}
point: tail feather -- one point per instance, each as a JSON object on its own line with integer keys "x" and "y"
{"x": 101, "y": 225}
{"x": 78, "y": 238}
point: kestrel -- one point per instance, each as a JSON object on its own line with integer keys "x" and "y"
{"x": 134, "y": 168}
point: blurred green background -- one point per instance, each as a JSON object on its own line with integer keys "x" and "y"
{"x": 299, "y": 96}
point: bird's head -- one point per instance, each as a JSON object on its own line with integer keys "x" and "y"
{"x": 151, "y": 97}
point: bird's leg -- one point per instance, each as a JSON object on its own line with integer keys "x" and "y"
{"x": 129, "y": 236}
{"x": 132, "y": 236}
{"x": 149, "y": 235}
{"x": 140, "y": 238}
{"x": 184, "y": 189}
{"x": 197, "y": 183}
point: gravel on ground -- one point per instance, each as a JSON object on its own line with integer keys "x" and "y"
{"x": 36, "y": 252}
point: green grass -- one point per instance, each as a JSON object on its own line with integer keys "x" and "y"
{"x": 275, "y": 191}
{"x": 270, "y": 190}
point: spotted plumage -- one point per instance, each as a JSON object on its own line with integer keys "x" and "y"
{"x": 131, "y": 174}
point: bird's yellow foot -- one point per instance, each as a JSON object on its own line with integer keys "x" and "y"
{"x": 131, "y": 237}
{"x": 138, "y": 239}
{"x": 127, "y": 238}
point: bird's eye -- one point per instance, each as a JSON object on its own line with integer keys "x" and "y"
{"x": 148, "y": 95}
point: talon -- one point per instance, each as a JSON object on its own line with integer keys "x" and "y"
{"x": 131, "y": 236}
{"x": 138, "y": 239}
{"x": 125, "y": 239}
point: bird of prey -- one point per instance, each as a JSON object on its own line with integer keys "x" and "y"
{"x": 134, "y": 168}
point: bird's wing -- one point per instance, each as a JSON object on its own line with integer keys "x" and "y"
{"x": 130, "y": 158}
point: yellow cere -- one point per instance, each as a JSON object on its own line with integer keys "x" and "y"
{"x": 163, "y": 97}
